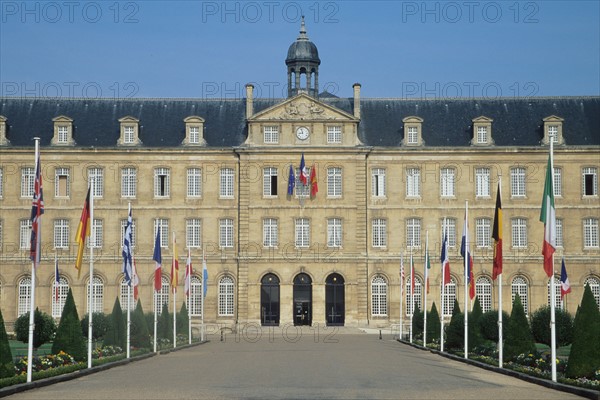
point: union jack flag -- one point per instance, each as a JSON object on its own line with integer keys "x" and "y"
{"x": 37, "y": 209}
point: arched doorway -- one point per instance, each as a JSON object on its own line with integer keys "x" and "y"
{"x": 269, "y": 300}
{"x": 302, "y": 299}
{"x": 334, "y": 300}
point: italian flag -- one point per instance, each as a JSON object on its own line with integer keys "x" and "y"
{"x": 548, "y": 217}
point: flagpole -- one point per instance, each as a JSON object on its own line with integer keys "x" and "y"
{"x": 129, "y": 293}
{"x": 443, "y": 289}
{"x": 466, "y": 263}
{"x": 412, "y": 295}
{"x": 155, "y": 316}
{"x": 56, "y": 278}
{"x": 204, "y": 284}
{"x": 401, "y": 294}
{"x": 189, "y": 308}
{"x": 426, "y": 275}
{"x": 174, "y": 280}
{"x": 552, "y": 294}
{"x": 91, "y": 281}
{"x": 500, "y": 338}
{"x": 33, "y": 266}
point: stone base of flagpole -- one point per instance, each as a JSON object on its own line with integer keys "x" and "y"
{"x": 587, "y": 393}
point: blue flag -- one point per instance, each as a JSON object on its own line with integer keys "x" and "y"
{"x": 127, "y": 259}
{"x": 204, "y": 277}
{"x": 291, "y": 181}
{"x": 157, "y": 257}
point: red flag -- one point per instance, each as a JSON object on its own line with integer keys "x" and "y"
{"x": 314, "y": 187}
{"x": 445, "y": 262}
{"x": 188, "y": 273}
{"x": 175, "y": 267}
{"x": 136, "y": 282}
{"x": 83, "y": 230}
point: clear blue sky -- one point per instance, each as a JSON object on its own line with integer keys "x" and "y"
{"x": 213, "y": 48}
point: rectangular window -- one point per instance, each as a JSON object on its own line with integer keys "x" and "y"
{"x": 482, "y": 182}
{"x": 270, "y": 232}
{"x": 225, "y": 233}
{"x": 61, "y": 182}
{"x": 447, "y": 182}
{"x": 334, "y": 134}
{"x": 96, "y": 235}
{"x": 128, "y": 182}
{"x": 413, "y": 182}
{"x": 193, "y": 233}
{"x": 379, "y": 233}
{"x": 97, "y": 176}
{"x": 559, "y": 232}
{"x": 482, "y": 136}
{"x": 27, "y": 181}
{"x": 413, "y": 232}
{"x": 163, "y": 225}
{"x": 519, "y": 233}
{"x": 194, "y": 135}
{"x": 378, "y": 182}
{"x": 61, "y": 234}
{"x": 590, "y": 233}
{"x": 270, "y": 182}
{"x": 133, "y": 234}
{"x": 334, "y": 232}
{"x": 413, "y": 135}
{"x": 226, "y": 186}
{"x": 301, "y": 189}
{"x": 271, "y": 134}
{"x": 553, "y": 133}
{"x": 483, "y": 232}
{"x": 590, "y": 181}
{"x": 25, "y": 234}
{"x": 449, "y": 228}
{"x": 557, "y": 182}
{"x": 194, "y": 182}
{"x": 517, "y": 182}
{"x": 302, "y": 232}
{"x": 63, "y": 134}
{"x": 334, "y": 182}
{"x": 162, "y": 182}
{"x": 128, "y": 134}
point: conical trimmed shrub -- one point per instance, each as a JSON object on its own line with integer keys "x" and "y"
{"x": 69, "y": 337}
{"x": 433, "y": 324}
{"x": 183, "y": 320}
{"x": 475, "y": 337}
{"x": 519, "y": 339}
{"x": 584, "y": 358}
{"x": 165, "y": 323}
{"x": 417, "y": 322}
{"x": 140, "y": 336}
{"x": 7, "y": 367}
{"x": 117, "y": 331}
{"x": 455, "y": 331}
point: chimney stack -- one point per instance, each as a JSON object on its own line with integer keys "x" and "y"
{"x": 356, "y": 87}
{"x": 249, "y": 100}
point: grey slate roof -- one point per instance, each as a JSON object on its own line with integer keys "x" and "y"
{"x": 517, "y": 121}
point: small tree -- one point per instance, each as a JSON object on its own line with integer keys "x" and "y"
{"x": 519, "y": 339}
{"x": 488, "y": 325}
{"x": 140, "y": 337}
{"x": 455, "y": 331}
{"x": 7, "y": 367}
{"x": 475, "y": 337}
{"x": 44, "y": 330}
{"x": 433, "y": 324}
{"x": 117, "y": 333}
{"x": 540, "y": 326}
{"x": 101, "y": 325}
{"x": 183, "y": 320}
{"x": 165, "y": 323}
{"x": 417, "y": 322}
{"x": 69, "y": 337}
{"x": 584, "y": 358}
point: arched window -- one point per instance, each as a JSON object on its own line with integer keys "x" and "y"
{"x": 378, "y": 296}
{"x": 195, "y": 297}
{"x": 558, "y": 303}
{"x": 416, "y": 296}
{"x": 124, "y": 296}
{"x": 594, "y": 284}
{"x": 24, "y": 295}
{"x": 449, "y": 298}
{"x": 483, "y": 291}
{"x": 162, "y": 296}
{"x": 97, "y": 295}
{"x": 226, "y": 296}
{"x": 59, "y": 296}
{"x": 519, "y": 286}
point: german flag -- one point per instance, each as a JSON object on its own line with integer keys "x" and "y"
{"x": 83, "y": 230}
{"x": 497, "y": 236}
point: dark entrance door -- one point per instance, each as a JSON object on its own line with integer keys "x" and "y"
{"x": 269, "y": 300}
{"x": 334, "y": 299}
{"x": 302, "y": 300}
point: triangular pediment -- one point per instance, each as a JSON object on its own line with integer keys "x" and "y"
{"x": 302, "y": 108}
{"x": 62, "y": 118}
{"x": 553, "y": 118}
{"x": 482, "y": 119}
{"x": 129, "y": 119}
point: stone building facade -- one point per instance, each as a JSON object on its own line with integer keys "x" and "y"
{"x": 391, "y": 174}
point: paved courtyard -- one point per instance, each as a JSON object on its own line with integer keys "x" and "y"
{"x": 293, "y": 364}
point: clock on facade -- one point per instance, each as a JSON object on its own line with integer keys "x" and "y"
{"x": 302, "y": 133}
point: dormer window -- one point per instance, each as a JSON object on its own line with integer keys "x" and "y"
{"x": 63, "y": 131}
{"x": 412, "y": 131}
{"x": 553, "y": 129}
{"x": 3, "y": 138}
{"x": 129, "y": 131}
{"x": 194, "y": 131}
{"x": 482, "y": 131}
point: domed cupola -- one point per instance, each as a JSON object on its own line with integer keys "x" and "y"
{"x": 303, "y": 66}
